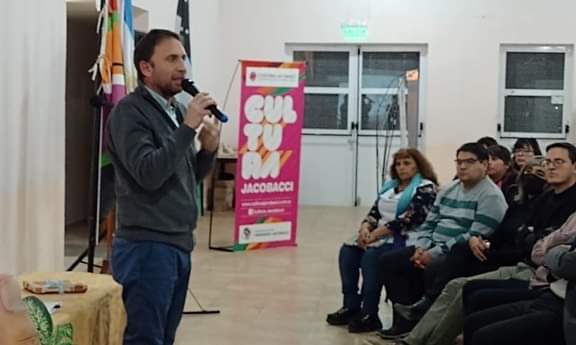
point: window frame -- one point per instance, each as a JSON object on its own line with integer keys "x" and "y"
{"x": 566, "y": 92}
{"x": 351, "y": 91}
{"x": 354, "y": 90}
{"x": 392, "y": 91}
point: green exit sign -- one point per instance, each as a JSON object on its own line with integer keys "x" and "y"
{"x": 354, "y": 32}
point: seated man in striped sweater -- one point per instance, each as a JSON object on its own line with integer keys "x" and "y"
{"x": 467, "y": 210}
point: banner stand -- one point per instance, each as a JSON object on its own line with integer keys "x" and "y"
{"x": 267, "y": 176}
{"x": 266, "y": 182}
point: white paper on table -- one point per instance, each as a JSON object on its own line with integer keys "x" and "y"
{"x": 53, "y": 306}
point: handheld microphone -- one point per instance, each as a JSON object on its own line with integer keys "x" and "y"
{"x": 189, "y": 87}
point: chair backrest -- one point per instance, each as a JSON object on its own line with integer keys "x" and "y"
{"x": 16, "y": 327}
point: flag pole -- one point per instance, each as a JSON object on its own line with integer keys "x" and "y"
{"x": 97, "y": 102}
{"x": 183, "y": 29}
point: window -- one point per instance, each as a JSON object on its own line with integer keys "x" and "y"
{"x": 380, "y": 87}
{"x": 350, "y": 84}
{"x": 535, "y": 91}
{"x": 329, "y": 88}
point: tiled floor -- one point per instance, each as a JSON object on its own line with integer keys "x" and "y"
{"x": 266, "y": 297}
{"x": 275, "y": 296}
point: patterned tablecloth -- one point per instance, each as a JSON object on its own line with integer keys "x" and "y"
{"x": 96, "y": 317}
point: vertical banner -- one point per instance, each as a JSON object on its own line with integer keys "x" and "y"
{"x": 269, "y": 141}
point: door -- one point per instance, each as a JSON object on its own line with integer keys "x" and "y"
{"x": 329, "y": 134}
{"x": 352, "y": 118}
{"x": 389, "y": 90}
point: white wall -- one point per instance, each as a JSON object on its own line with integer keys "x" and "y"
{"x": 463, "y": 39}
{"x": 204, "y": 33}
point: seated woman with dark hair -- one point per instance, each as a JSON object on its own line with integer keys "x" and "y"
{"x": 402, "y": 205}
{"x": 523, "y": 151}
{"x": 501, "y": 171}
{"x": 487, "y": 142}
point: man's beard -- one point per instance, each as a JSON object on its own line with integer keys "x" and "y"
{"x": 169, "y": 90}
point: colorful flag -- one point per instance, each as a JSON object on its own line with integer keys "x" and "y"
{"x": 128, "y": 47}
{"x": 115, "y": 64}
{"x": 112, "y": 73}
{"x": 117, "y": 76}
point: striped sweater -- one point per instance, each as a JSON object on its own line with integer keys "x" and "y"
{"x": 458, "y": 214}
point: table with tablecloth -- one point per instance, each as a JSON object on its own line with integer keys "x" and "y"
{"x": 97, "y": 316}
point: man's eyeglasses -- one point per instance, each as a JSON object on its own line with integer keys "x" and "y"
{"x": 549, "y": 163}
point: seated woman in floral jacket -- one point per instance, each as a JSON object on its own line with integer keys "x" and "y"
{"x": 402, "y": 205}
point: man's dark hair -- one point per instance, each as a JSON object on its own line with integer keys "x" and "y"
{"x": 487, "y": 142}
{"x": 500, "y": 152}
{"x": 145, "y": 47}
{"x": 566, "y": 146}
{"x": 477, "y": 149}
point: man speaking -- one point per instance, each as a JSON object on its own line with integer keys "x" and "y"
{"x": 151, "y": 142}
